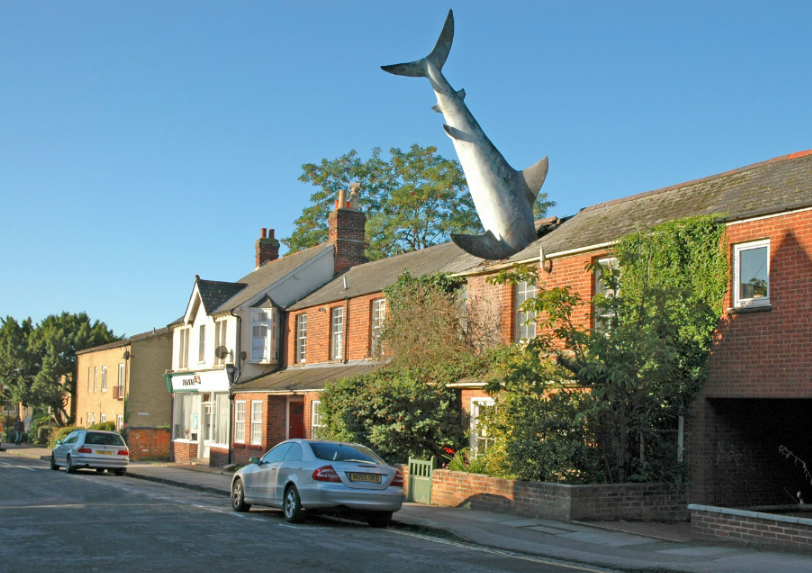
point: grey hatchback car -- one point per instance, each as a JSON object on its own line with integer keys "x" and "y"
{"x": 299, "y": 475}
{"x": 91, "y": 449}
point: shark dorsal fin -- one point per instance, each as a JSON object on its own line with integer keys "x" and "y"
{"x": 461, "y": 93}
{"x": 533, "y": 178}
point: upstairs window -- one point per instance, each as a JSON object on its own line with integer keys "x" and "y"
{"x": 751, "y": 274}
{"x": 378, "y": 314}
{"x": 121, "y": 380}
{"x": 220, "y": 328}
{"x": 603, "y": 316}
{"x": 264, "y": 335}
{"x": 301, "y": 338}
{"x": 183, "y": 348}
{"x": 95, "y": 377}
{"x": 104, "y": 379}
{"x": 88, "y": 379}
{"x": 201, "y": 340}
{"x": 525, "y": 321}
{"x": 337, "y": 333}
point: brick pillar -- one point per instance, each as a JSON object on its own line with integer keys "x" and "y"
{"x": 346, "y": 231}
{"x": 267, "y": 247}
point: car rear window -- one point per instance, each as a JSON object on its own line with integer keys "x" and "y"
{"x": 99, "y": 439}
{"x": 344, "y": 453}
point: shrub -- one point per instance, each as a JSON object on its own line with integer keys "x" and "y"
{"x": 61, "y": 433}
{"x": 104, "y": 427}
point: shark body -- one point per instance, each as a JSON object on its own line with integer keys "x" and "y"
{"x": 503, "y": 197}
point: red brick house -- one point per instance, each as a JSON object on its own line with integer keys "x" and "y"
{"x": 759, "y": 386}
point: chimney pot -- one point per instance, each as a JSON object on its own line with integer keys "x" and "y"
{"x": 263, "y": 233}
{"x": 270, "y": 233}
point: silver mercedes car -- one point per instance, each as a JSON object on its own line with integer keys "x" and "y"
{"x": 91, "y": 449}
{"x": 299, "y": 475}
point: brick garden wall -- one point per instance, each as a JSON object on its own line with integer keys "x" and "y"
{"x": 183, "y": 452}
{"x": 642, "y": 502}
{"x": 715, "y": 523}
{"x": 149, "y": 443}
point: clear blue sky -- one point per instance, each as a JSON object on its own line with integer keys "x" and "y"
{"x": 143, "y": 142}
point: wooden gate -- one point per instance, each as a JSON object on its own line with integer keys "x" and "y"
{"x": 420, "y": 472}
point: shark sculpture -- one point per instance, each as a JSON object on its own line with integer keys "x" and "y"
{"x": 503, "y": 197}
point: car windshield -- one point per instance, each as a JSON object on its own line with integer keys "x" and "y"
{"x": 344, "y": 453}
{"x": 100, "y": 439}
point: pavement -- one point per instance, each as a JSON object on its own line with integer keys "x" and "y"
{"x": 620, "y": 546}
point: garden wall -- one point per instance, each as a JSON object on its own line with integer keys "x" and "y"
{"x": 711, "y": 523}
{"x": 149, "y": 444}
{"x": 640, "y": 502}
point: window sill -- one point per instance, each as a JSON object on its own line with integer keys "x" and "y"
{"x": 253, "y": 447}
{"x": 750, "y": 309}
{"x": 238, "y": 446}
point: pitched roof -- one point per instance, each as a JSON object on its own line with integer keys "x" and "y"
{"x": 315, "y": 377}
{"x": 372, "y": 277}
{"x": 761, "y": 188}
{"x": 154, "y": 333}
{"x": 260, "y": 279}
{"x": 215, "y": 293}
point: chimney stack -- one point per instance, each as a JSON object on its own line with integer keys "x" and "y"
{"x": 347, "y": 225}
{"x": 267, "y": 248}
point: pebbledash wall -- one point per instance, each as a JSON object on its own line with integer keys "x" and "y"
{"x": 640, "y": 502}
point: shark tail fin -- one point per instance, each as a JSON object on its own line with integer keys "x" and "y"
{"x": 484, "y": 246}
{"x": 533, "y": 178}
{"x": 438, "y": 55}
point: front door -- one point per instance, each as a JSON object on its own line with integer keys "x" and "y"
{"x": 206, "y": 428}
{"x": 295, "y": 420}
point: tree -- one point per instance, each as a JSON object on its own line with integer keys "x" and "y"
{"x": 413, "y": 200}
{"x": 38, "y": 362}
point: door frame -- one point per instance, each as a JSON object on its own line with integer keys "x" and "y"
{"x": 293, "y": 400}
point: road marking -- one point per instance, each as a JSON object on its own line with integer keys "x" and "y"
{"x": 19, "y": 467}
{"x": 504, "y": 552}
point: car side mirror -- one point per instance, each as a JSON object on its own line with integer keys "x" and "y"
{"x": 255, "y": 461}
{"x": 59, "y": 442}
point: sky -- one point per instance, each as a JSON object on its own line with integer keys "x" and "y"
{"x": 144, "y": 142}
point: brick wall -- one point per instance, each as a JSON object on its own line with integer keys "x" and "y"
{"x": 715, "y": 523}
{"x": 183, "y": 452}
{"x": 642, "y": 502}
{"x": 274, "y": 425}
{"x": 347, "y": 233}
{"x": 91, "y": 398}
{"x": 218, "y": 457}
{"x": 149, "y": 443}
{"x": 149, "y": 403}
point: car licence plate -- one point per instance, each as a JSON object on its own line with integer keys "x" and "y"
{"x": 104, "y": 453}
{"x": 368, "y": 478}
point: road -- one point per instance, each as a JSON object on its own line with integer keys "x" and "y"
{"x": 99, "y": 522}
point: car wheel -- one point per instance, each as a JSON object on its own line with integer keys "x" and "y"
{"x": 238, "y": 497}
{"x": 292, "y": 506}
{"x": 379, "y": 519}
{"x": 69, "y": 466}
{"x": 120, "y": 472}
{"x": 53, "y": 463}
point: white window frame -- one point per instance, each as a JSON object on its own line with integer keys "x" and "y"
{"x": 201, "y": 344}
{"x": 301, "y": 338}
{"x": 478, "y": 444}
{"x": 104, "y": 379}
{"x": 601, "y": 321}
{"x": 256, "y": 422}
{"x": 121, "y": 381}
{"x": 239, "y": 421}
{"x": 88, "y": 379}
{"x": 220, "y": 330}
{"x": 261, "y": 345}
{"x": 183, "y": 348}
{"x": 95, "y": 378}
{"x": 738, "y": 301}
{"x": 524, "y": 330}
{"x": 337, "y": 333}
{"x": 378, "y": 313}
{"x": 119, "y": 422}
{"x": 103, "y": 418}
{"x": 315, "y": 420}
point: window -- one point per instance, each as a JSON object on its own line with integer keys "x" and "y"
{"x": 104, "y": 379}
{"x": 220, "y": 419}
{"x": 316, "y": 424}
{"x": 603, "y": 316}
{"x": 751, "y": 274}
{"x": 120, "y": 381}
{"x": 201, "y": 340}
{"x": 261, "y": 327}
{"x": 256, "y": 422}
{"x": 301, "y": 338}
{"x": 480, "y": 440}
{"x": 88, "y": 379}
{"x": 87, "y": 419}
{"x": 185, "y": 416}
{"x": 378, "y": 314}
{"x": 119, "y": 422}
{"x": 525, "y": 321}
{"x": 220, "y": 328}
{"x": 239, "y": 422}
{"x": 183, "y": 348}
{"x": 337, "y": 333}
{"x": 103, "y": 418}
{"x": 95, "y": 376}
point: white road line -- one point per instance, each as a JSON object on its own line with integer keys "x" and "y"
{"x": 506, "y": 553}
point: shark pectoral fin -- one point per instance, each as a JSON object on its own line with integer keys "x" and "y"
{"x": 436, "y": 107}
{"x": 455, "y": 133}
{"x": 534, "y": 177}
{"x": 484, "y": 246}
{"x": 461, "y": 93}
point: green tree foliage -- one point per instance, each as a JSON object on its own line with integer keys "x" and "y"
{"x": 35, "y": 359}
{"x": 413, "y": 199}
{"x": 665, "y": 299}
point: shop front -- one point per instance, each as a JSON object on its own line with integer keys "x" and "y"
{"x": 201, "y": 414}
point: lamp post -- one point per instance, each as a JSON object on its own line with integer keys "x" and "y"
{"x": 231, "y": 372}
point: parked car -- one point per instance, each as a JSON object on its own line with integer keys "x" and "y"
{"x": 321, "y": 476}
{"x": 91, "y": 449}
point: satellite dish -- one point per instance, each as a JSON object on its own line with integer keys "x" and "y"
{"x": 126, "y": 354}
{"x": 221, "y": 352}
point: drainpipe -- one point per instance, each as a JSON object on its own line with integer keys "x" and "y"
{"x": 346, "y": 327}
{"x": 231, "y": 390}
